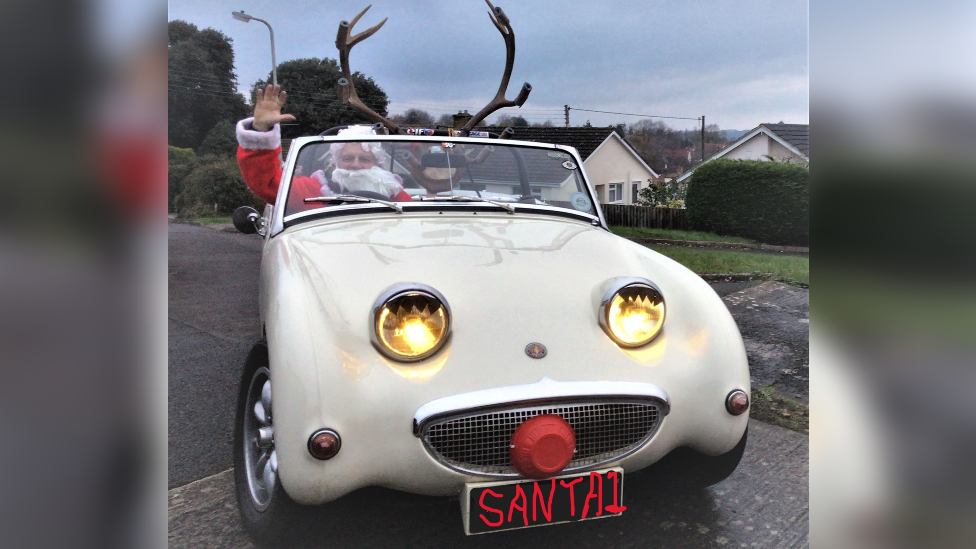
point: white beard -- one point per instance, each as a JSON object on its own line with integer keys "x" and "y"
{"x": 375, "y": 180}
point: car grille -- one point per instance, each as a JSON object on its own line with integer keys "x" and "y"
{"x": 479, "y": 442}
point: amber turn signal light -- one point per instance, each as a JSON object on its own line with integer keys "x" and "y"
{"x": 737, "y": 402}
{"x": 324, "y": 444}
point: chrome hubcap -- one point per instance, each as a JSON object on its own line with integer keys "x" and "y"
{"x": 260, "y": 458}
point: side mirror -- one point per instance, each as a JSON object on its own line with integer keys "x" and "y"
{"x": 246, "y": 219}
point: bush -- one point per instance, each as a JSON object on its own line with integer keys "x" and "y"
{"x": 665, "y": 195}
{"x": 180, "y": 165}
{"x": 765, "y": 201}
{"x": 221, "y": 140}
{"x": 214, "y": 187}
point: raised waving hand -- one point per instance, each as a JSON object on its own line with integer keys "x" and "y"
{"x": 267, "y": 108}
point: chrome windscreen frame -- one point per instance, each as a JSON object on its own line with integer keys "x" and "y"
{"x": 278, "y": 221}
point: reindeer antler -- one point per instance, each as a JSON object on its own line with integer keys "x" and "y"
{"x": 505, "y": 27}
{"x": 345, "y": 87}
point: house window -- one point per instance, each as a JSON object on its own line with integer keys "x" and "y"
{"x": 472, "y": 186}
{"x": 634, "y": 193}
{"x": 615, "y": 192}
{"x": 536, "y": 191}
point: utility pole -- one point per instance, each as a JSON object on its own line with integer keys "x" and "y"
{"x": 566, "y": 110}
{"x": 703, "y": 139}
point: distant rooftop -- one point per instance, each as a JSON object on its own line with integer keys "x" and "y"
{"x": 797, "y": 135}
{"x": 583, "y": 139}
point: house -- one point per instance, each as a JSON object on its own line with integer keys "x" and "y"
{"x": 779, "y": 142}
{"x": 614, "y": 168}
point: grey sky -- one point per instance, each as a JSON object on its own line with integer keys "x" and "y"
{"x": 738, "y": 63}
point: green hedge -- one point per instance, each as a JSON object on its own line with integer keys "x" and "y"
{"x": 180, "y": 165}
{"x": 213, "y": 187}
{"x": 765, "y": 201}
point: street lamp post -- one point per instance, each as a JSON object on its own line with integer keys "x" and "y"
{"x": 241, "y": 16}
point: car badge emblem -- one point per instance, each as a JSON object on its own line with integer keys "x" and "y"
{"x": 535, "y": 350}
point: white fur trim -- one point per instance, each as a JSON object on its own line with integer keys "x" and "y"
{"x": 254, "y": 140}
{"x": 319, "y": 176}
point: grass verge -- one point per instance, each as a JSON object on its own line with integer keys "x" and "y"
{"x": 644, "y": 232}
{"x": 767, "y": 407}
{"x": 785, "y": 268}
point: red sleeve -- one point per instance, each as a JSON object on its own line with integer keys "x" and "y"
{"x": 302, "y": 188}
{"x": 261, "y": 170}
{"x": 403, "y": 197}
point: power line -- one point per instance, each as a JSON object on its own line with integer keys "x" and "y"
{"x": 642, "y": 115}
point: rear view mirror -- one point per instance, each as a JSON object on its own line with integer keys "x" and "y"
{"x": 246, "y": 219}
{"x": 443, "y": 160}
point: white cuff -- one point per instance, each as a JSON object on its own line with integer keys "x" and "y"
{"x": 254, "y": 140}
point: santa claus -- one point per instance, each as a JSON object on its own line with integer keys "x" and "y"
{"x": 356, "y": 166}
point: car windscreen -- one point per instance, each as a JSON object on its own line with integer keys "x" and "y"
{"x": 331, "y": 174}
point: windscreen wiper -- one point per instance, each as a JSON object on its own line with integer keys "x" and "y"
{"x": 345, "y": 198}
{"x": 458, "y": 198}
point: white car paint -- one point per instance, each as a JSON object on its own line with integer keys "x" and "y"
{"x": 509, "y": 280}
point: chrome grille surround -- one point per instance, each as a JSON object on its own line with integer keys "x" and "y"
{"x": 607, "y": 428}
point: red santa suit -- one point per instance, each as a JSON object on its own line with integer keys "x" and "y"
{"x": 258, "y": 154}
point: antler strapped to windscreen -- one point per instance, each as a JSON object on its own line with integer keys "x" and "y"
{"x": 345, "y": 87}
{"x": 504, "y": 26}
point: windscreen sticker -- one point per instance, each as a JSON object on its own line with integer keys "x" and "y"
{"x": 569, "y": 165}
{"x": 580, "y": 201}
{"x": 557, "y": 154}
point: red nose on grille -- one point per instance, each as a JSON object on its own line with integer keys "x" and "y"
{"x": 542, "y": 446}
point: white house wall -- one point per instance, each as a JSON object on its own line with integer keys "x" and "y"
{"x": 782, "y": 154}
{"x": 755, "y": 148}
{"x": 761, "y": 147}
{"x": 611, "y": 163}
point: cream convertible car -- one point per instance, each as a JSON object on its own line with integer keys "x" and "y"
{"x": 491, "y": 341}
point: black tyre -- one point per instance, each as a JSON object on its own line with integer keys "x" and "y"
{"x": 268, "y": 514}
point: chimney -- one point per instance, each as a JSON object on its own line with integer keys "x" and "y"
{"x": 460, "y": 119}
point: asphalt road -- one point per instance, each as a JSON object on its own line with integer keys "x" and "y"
{"x": 213, "y": 320}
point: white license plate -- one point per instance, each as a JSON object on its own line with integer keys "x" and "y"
{"x": 496, "y": 506}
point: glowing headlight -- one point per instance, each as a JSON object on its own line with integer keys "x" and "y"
{"x": 410, "y": 322}
{"x": 632, "y": 312}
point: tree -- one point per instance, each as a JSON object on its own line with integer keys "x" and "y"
{"x": 664, "y": 194}
{"x": 665, "y": 149}
{"x": 202, "y": 83}
{"x": 415, "y": 118}
{"x": 214, "y": 187}
{"x": 311, "y": 87}
{"x": 514, "y": 121}
{"x": 445, "y": 120}
{"x": 221, "y": 140}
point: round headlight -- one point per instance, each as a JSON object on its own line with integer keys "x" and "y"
{"x": 410, "y": 322}
{"x": 632, "y": 312}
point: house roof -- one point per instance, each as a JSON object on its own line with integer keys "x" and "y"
{"x": 583, "y": 139}
{"x": 795, "y": 137}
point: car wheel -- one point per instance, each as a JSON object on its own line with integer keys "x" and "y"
{"x": 266, "y": 510}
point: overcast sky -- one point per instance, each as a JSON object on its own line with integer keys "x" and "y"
{"x": 738, "y": 63}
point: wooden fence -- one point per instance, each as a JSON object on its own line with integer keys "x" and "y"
{"x": 645, "y": 216}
